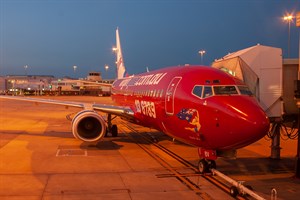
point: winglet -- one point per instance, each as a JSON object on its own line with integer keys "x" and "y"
{"x": 121, "y": 70}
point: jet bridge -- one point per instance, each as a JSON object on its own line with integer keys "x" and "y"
{"x": 272, "y": 80}
{"x": 260, "y": 67}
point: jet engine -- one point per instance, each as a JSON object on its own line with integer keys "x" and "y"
{"x": 88, "y": 126}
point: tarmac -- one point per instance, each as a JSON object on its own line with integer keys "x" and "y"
{"x": 40, "y": 159}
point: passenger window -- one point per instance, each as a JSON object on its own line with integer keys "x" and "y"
{"x": 161, "y": 93}
{"x": 207, "y": 91}
{"x": 198, "y": 91}
{"x": 157, "y": 93}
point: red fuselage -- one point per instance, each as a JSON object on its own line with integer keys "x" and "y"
{"x": 198, "y": 105}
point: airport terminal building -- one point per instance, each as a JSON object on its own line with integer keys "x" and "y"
{"x": 50, "y": 85}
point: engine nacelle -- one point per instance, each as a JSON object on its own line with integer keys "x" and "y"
{"x": 88, "y": 126}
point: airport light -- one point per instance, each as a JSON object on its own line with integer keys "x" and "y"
{"x": 114, "y": 49}
{"x": 289, "y": 18}
{"x": 74, "y": 68}
{"x": 25, "y": 67}
{"x": 202, "y": 52}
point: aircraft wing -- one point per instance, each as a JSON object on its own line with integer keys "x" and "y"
{"x": 125, "y": 112}
{"x": 115, "y": 110}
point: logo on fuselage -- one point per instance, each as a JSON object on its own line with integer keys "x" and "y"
{"x": 146, "y": 107}
{"x": 151, "y": 79}
{"x": 192, "y": 117}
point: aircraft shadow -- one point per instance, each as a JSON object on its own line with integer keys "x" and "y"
{"x": 256, "y": 166}
{"x": 107, "y": 143}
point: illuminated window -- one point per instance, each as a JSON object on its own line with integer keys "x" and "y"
{"x": 154, "y": 93}
{"x": 157, "y": 93}
{"x": 229, "y": 71}
{"x": 161, "y": 93}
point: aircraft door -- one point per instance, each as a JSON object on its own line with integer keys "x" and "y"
{"x": 170, "y": 93}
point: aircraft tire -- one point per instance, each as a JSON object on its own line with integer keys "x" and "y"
{"x": 212, "y": 164}
{"x": 202, "y": 166}
{"x": 234, "y": 191}
{"x": 114, "y": 130}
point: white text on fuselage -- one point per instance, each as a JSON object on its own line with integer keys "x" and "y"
{"x": 146, "y": 107}
{"x": 151, "y": 79}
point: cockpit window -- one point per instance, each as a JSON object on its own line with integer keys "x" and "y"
{"x": 244, "y": 90}
{"x": 220, "y": 90}
{"x": 225, "y": 90}
{"x": 198, "y": 91}
{"x": 207, "y": 91}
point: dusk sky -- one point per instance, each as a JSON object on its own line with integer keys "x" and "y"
{"x": 51, "y": 36}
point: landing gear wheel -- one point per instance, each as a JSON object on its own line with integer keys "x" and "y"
{"x": 212, "y": 164}
{"x": 114, "y": 130}
{"x": 234, "y": 191}
{"x": 202, "y": 166}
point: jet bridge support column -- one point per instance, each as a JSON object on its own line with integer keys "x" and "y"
{"x": 297, "y": 173}
{"x": 297, "y": 97}
{"x": 275, "y": 147}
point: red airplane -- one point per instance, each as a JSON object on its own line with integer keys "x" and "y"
{"x": 197, "y": 105}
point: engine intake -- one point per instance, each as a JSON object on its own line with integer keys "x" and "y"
{"x": 88, "y": 126}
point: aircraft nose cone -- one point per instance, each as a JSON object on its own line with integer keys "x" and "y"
{"x": 250, "y": 124}
{"x": 258, "y": 124}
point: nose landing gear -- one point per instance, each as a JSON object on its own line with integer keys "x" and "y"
{"x": 208, "y": 160}
{"x": 204, "y": 165}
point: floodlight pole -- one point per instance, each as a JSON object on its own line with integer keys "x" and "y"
{"x": 202, "y": 52}
{"x": 289, "y": 19}
{"x": 26, "y": 67}
{"x": 289, "y": 39}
